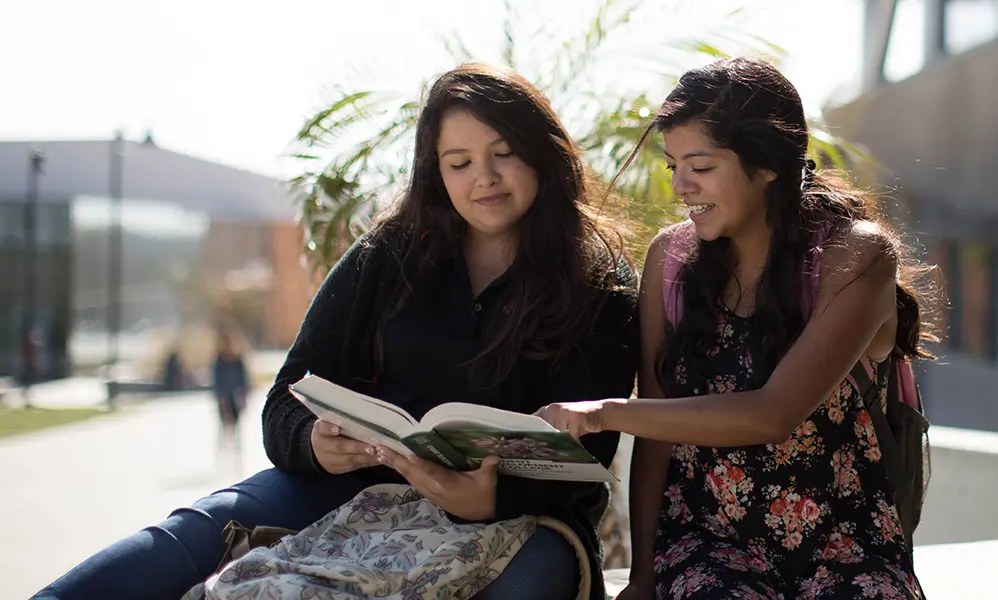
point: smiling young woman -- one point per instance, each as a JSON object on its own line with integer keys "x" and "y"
{"x": 756, "y": 470}
{"x": 492, "y": 282}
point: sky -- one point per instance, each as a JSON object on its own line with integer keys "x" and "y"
{"x": 232, "y": 81}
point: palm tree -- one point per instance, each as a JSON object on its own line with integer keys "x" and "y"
{"x": 355, "y": 152}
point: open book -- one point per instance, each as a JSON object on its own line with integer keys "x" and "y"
{"x": 456, "y": 435}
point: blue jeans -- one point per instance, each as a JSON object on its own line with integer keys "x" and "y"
{"x": 165, "y": 561}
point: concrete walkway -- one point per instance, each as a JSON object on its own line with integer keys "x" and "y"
{"x": 69, "y": 491}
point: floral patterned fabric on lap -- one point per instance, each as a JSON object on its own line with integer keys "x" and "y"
{"x": 388, "y": 542}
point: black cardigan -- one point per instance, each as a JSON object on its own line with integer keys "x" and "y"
{"x": 336, "y": 342}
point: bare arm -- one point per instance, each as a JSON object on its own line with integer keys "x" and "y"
{"x": 856, "y": 301}
{"x": 650, "y": 459}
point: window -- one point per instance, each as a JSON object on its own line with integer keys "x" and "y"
{"x": 969, "y": 23}
{"x": 906, "y": 45}
{"x": 11, "y": 225}
{"x": 977, "y": 300}
{"x": 54, "y": 226}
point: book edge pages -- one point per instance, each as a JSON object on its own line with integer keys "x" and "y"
{"x": 332, "y": 394}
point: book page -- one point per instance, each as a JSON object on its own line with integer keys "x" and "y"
{"x": 554, "y": 470}
{"x": 327, "y": 397}
{"x": 552, "y": 455}
{"x": 460, "y": 415}
{"x": 477, "y": 443}
{"x": 352, "y": 427}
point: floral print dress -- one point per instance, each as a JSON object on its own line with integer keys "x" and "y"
{"x": 809, "y": 518}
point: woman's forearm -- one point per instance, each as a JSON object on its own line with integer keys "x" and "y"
{"x": 720, "y": 420}
{"x": 649, "y": 467}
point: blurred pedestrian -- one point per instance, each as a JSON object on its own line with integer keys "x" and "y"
{"x": 231, "y": 385}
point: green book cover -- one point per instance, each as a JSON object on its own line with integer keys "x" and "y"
{"x": 431, "y": 446}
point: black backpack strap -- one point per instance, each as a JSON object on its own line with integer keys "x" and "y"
{"x": 889, "y": 449}
{"x": 866, "y": 387}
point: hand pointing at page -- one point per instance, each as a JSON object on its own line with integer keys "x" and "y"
{"x": 578, "y": 418}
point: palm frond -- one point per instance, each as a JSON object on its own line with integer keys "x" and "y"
{"x": 319, "y": 127}
{"x": 456, "y": 47}
{"x": 509, "y": 40}
{"x": 354, "y": 152}
{"x": 577, "y": 54}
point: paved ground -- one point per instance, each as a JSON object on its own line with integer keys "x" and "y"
{"x": 69, "y": 491}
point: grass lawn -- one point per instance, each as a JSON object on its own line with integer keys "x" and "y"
{"x": 14, "y": 421}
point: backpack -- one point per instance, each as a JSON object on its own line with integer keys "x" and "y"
{"x": 900, "y": 424}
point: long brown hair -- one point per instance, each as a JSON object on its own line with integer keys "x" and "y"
{"x": 566, "y": 257}
{"x": 748, "y": 106}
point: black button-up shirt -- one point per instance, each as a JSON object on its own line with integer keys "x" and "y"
{"x": 428, "y": 345}
{"x": 442, "y": 326}
{"x": 425, "y": 348}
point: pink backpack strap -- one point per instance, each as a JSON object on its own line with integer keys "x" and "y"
{"x": 809, "y": 295}
{"x": 812, "y": 270}
{"x": 902, "y": 388}
{"x": 907, "y": 389}
{"x": 682, "y": 241}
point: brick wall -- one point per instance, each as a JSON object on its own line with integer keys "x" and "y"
{"x": 293, "y": 287}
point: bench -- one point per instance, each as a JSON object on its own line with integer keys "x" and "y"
{"x": 117, "y": 388}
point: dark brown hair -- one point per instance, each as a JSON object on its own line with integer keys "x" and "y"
{"x": 566, "y": 258}
{"x": 748, "y": 106}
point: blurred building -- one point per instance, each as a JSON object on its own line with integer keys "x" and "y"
{"x": 198, "y": 238}
{"x": 935, "y": 130}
